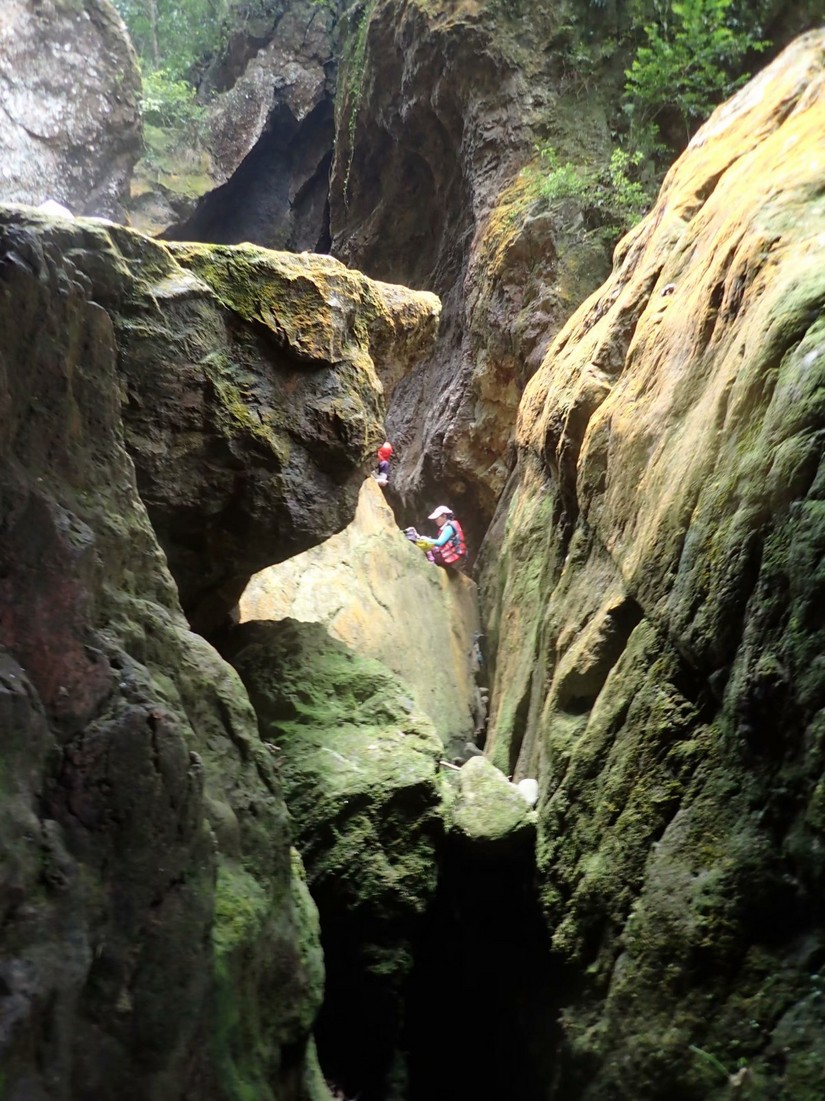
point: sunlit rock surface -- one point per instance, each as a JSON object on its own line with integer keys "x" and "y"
{"x": 654, "y": 588}
{"x": 149, "y": 902}
{"x": 376, "y": 592}
{"x": 69, "y": 105}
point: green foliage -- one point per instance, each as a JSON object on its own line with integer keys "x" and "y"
{"x": 614, "y": 195}
{"x": 178, "y": 35}
{"x": 354, "y": 82}
{"x": 170, "y": 103}
{"x": 689, "y": 62}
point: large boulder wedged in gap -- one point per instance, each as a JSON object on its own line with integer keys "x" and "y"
{"x": 359, "y": 765}
{"x": 253, "y": 391}
{"x": 70, "y": 127}
{"x": 654, "y": 605}
{"x": 149, "y": 904}
{"x": 376, "y": 592}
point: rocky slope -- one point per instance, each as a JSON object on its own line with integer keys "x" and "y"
{"x": 70, "y": 125}
{"x": 653, "y": 586}
{"x": 375, "y": 591}
{"x": 150, "y": 904}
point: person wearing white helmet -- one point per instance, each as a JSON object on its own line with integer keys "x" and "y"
{"x": 449, "y": 547}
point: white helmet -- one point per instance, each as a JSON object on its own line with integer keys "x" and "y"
{"x": 442, "y": 510}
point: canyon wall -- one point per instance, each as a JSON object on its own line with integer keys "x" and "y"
{"x": 653, "y": 589}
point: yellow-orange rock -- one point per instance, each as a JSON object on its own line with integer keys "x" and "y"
{"x": 376, "y": 592}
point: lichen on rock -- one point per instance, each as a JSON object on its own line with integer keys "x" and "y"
{"x": 70, "y": 105}
{"x": 359, "y": 768}
{"x": 133, "y": 771}
{"x": 666, "y": 514}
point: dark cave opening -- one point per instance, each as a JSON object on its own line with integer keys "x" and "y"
{"x": 481, "y": 1021}
{"x": 279, "y": 195}
{"x": 475, "y": 1019}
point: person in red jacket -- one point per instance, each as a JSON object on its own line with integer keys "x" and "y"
{"x": 382, "y": 471}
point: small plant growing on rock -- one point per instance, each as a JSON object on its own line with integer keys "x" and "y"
{"x": 613, "y": 195}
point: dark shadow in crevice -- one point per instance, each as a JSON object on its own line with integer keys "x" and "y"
{"x": 279, "y": 195}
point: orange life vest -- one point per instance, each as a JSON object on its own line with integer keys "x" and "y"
{"x": 454, "y": 549}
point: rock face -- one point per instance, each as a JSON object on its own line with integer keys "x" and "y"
{"x": 149, "y": 904}
{"x": 270, "y": 132}
{"x": 69, "y": 105}
{"x": 655, "y": 609}
{"x": 439, "y": 107}
{"x": 359, "y": 766}
{"x": 254, "y": 393}
{"x": 376, "y": 592}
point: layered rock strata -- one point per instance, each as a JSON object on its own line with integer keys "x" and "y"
{"x": 70, "y": 126}
{"x": 653, "y": 587}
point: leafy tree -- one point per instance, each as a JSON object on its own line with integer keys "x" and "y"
{"x": 175, "y": 35}
{"x": 688, "y": 65}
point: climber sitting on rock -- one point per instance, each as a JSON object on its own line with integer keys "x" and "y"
{"x": 382, "y": 471}
{"x": 449, "y": 548}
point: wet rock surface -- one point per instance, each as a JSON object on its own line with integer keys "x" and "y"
{"x": 359, "y": 767}
{"x": 668, "y": 499}
{"x": 253, "y": 388}
{"x": 70, "y": 125}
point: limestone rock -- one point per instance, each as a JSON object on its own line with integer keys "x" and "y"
{"x": 439, "y": 109}
{"x": 487, "y": 808}
{"x": 268, "y": 133}
{"x": 359, "y": 768}
{"x": 148, "y": 901}
{"x": 252, "y": 389}
{"x": 375, "y": 591}
{"x": 69, "y": 105}
{"x": 651, "y": 612}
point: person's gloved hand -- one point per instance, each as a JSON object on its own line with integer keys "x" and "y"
{"x": 411, "y": 534}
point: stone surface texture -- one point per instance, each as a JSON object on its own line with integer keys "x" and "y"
{"x": 439, "y": 108}
{"x": 70, "y": 125}
{"x": 653, "y": 587}
{"x": 254, "y": 392}
{"x": 149, "y": 901}
{"x": 376, "y": 592}
{"x": 359, "y": 765}
{"x": 267, "y": 134}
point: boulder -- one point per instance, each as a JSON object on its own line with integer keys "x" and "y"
{"x": 253, "y": 387}
{"x": 488, "y": 809}
{"x": 149, "y": 900}
{"x": 650, "y": 591}
{"x": 376, "y": 592}
{"x": 70, "y": 127}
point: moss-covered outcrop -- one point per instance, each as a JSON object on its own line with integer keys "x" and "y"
{"x": 253, "y": 391}
{"x": 157, "y": 942}
{"x": 651, "y": 588}
{"x": 359, "y": 768}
